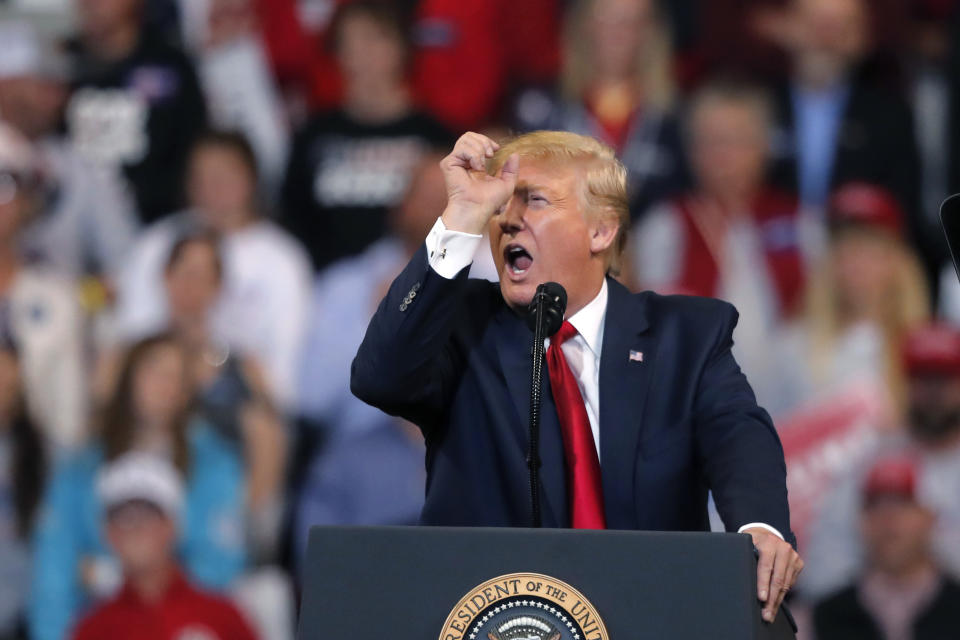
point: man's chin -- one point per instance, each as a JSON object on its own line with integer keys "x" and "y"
{"x": 517, "y": 295}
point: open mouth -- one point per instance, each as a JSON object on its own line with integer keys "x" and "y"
{"x": 517, "y": 259}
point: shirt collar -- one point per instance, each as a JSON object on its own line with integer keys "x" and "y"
{"x": 589, "y": 320}
{"x": 178, "y": 585}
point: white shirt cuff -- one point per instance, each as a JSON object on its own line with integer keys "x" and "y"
{"x": 761, "y": 526}
{"x": 448, "y": 252}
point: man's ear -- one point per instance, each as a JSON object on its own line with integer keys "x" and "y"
{"x": 603, "y": 231}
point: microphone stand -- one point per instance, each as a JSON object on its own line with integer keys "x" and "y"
{"x": 544, "y": 315}
{"x": 536, "y": 389}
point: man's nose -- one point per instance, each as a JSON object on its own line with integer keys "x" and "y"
{"x": 511, "y": 218}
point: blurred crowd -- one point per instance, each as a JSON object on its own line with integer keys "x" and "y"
{"x": 203, "y": 201}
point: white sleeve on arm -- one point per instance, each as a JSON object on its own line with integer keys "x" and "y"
{"x": 448, "y": 252}
{"x": 760, "y": 525}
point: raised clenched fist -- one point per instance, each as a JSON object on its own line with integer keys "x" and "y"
{"x": 473, "y": 196}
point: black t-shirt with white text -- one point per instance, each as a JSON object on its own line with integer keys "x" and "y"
{"x": 139, "y": 115}
{"x": 344, "y": 176}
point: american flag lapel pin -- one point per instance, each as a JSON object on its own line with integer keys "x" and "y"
{"x": 636, "y": 356}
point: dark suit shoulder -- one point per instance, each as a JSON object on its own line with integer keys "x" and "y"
{"x": 694, "y": 313}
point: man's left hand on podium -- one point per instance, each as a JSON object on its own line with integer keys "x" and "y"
{"x": 777, "y": 569}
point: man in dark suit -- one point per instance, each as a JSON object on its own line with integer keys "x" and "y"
{"x": 837, "y": 121}
{"x": 645, "y": 408}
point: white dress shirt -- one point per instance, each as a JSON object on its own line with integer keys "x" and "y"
{"x": 448, "y": 252}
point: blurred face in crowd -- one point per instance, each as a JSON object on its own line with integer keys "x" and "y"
{"x": 544, "y": 234}
{"x": 831, "y": 34}
{"x": 934, "y": 413}
{"x": 370, "y": 52}
{"x": 728, "y": 146}
{"x": 193, "y": 280}
{"x": 98, "y": 17}
{"x": 9, "y": 385}
{"x": 617, "y": 29}
{"x": 221, "y": 187}
{"x": 16, "y": 203}
{"x": 159, "y": 384}
{"x": 32, "y": 104}
{"x": 863, "y": 269}
{"x": 141, "y": 536}
{"x": 896, "y": 533}
{"x": 424, "y": 202}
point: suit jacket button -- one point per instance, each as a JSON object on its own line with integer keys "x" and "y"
{"x": 412, "y": 294}
{"x": 403, "y": 306}
{"x": 416, "y": 287}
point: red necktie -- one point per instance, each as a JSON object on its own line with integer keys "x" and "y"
{"x": 583, "y": 464}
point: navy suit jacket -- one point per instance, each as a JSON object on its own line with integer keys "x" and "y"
{"x": 453, "y": 358}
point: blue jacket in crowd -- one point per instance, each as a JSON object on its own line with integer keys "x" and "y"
{"x": 211, "y": 547}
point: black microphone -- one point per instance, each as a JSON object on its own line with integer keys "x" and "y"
{"x": 544, "y": 316}
{"x": 547, "y": 307}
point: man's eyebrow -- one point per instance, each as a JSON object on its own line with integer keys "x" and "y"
{"x": 526, "y": 187}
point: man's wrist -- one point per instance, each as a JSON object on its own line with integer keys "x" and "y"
{"x": 450, "y": 251}
{"x": 464, "y": 220}
{"x": 760, "y": 525}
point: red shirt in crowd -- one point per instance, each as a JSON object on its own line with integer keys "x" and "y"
{"x": 466, "y": 55}
{"x": 184, "y": 613}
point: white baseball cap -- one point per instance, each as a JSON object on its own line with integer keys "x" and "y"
{"x": 141, "y": 476}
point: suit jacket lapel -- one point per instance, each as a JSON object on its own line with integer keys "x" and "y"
{"x": 627, "y": 362}
{"x": 513, "y": 348}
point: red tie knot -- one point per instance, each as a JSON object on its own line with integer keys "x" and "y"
{"x": 566, "y": 332}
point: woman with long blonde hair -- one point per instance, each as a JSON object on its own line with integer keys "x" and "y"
{"x": 617, "y": 85}
{"x": 867, "y": 293}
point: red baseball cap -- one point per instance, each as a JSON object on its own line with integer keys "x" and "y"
{"x": 932, "y": 350}
{"x": 892, "y": 475}
{"x": 866, "y": 204}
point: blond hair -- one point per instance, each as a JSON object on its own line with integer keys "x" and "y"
{"x": 603, "y": 181}
{"x": 654, "y": 65}
{"x": 907, "y": 307}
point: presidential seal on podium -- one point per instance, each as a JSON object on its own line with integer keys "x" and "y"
{"x": 524, "y": 606}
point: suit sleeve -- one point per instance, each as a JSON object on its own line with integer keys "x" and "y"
{"x": 737, "y": 444}
{"x": 406, "y": 364}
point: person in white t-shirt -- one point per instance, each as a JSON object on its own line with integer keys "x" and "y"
{"x": 263, "y": 307}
